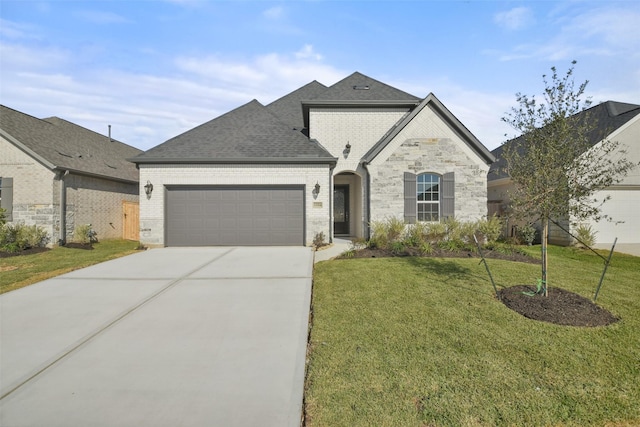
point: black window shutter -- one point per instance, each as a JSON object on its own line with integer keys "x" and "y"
{"x": 448, "y": 195}
{"x": 410, "y": 196}
{"x": 6, "y": 197}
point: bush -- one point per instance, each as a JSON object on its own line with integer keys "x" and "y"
{"x": 527, "y": 233}
{"x": 490, "y": 229}
{"x": 17, "y": 237}
{"x": 319, "y": 240}
{"x": 3, "y": 217}
{"x": 82, "y": 234}
{"x": 586, "y": 236}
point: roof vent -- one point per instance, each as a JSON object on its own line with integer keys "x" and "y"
{"x": 361, "y": 87}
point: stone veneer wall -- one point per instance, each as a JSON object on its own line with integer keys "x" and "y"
{"x": 438, "y": 156}
{"x": 152, "y": 210}
{"x": 428, "y": 144}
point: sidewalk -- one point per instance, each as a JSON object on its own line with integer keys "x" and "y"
{"x": 337, "y": 248}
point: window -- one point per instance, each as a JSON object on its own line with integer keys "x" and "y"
{"x": 6, "y": 197}
{"x": 428, "y": 197}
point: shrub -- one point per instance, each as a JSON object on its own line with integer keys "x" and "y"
{"x": 378, "y": 235}
{"x": 17, "y": 237}
{"x": 394, "y": 228}
{"x": 3, "y": 217}
{"x": 398, "y": 247}
{"x": 586, "y": 236}
{"x": 527, "y": 233}
{"x": 416, "y": 234}
{"x": 490, "y": 229}
{"x": 84, "y": 234}
{"x": 319, "y": 240}
{"x": 436, "y": 231}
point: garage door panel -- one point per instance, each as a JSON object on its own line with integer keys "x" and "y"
{"x": 210, "y": 216}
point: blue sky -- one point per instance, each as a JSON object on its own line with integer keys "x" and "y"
{"x": 154, "y": 69}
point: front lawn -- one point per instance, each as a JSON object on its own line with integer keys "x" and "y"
{"x": 23, "y": 270}
{"x": 424, "y": 342}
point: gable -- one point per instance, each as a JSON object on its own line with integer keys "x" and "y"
{"x": 428, "y": 123}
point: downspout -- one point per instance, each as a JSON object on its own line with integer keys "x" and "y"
{"x": 63, "y": 209}
{"x": 367, "y": 234}
{"x": 331, "y": 168}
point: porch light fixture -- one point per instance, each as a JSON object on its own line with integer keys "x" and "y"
{"x": 317, "y": 188}
{"x": 148, "y": 189}
{"x": 347, "y": 148}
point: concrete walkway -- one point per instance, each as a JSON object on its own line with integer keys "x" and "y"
{"x": 166, "y": 337}
{"x": 337, "y": 248}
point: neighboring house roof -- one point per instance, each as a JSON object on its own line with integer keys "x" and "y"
{"x": 446, "y": 115}
{"x": 248, "y": 134}
{"x": 289, "y": 108}
{"x": 606, "y": 118}
{"x": 62, "y": 145}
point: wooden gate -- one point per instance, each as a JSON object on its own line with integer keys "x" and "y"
{"x": 130, "y": 220}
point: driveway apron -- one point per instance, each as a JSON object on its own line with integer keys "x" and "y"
{"x": 167, "y": 337}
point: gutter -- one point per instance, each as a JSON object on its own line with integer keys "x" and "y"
{"x": 63, "y": 208}
{"x": 238, "y": 161}
{"x": 367, "y": 234}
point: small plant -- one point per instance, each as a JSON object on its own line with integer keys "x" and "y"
{"x": 319, "y": 240}
{"x": 3, "y": 217}
{"x": 426, "y": 248}
{"x": 84, "y": 234}
{"x": 416, "y": 234}
{"x": 527, "y": 234}
{"x": 490, "y": 228}
{"x": 349, "y": 253}
{"x": 398, "y": 248}
{"x": 586, "y": 236}
{"x": 394, "y": 228}
{"x": 436, "y": 231}
{"x": 378, "y": 235}
{"x": 540, "y": 288}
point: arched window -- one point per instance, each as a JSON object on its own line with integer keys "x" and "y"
{"x": 428, "y": 197}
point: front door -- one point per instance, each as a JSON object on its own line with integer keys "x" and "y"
{"x": 341, "y": 209}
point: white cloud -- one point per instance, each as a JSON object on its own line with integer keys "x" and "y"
{"x": 147, "y": 109}
{"x": 307, "y": 52}
{"x": 274, "y": 13}
{"x": 514, "y": 19}
{"x": 16, "y": 30}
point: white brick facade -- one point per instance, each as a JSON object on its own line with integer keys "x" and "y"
{"x": 152, "y": 210}
{"x": 360, "y": 127}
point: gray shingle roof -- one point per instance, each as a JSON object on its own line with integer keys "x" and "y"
{"x": 248, "y": 134}
{"x": 289, "y": 107}
{"x": 59, "y": 144}
{"x": 606, "y": 117}
{"x": 358, "y": 87}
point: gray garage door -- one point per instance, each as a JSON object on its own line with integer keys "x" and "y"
{"x": 234, "y": 216}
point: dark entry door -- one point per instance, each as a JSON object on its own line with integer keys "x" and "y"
{"x": 341, "y": 209}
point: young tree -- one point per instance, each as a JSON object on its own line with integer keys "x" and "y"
{"x": 554, "y": 165}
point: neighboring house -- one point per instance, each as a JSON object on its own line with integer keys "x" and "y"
{"x": 321, "y": 159}
{"x": 58, "y": 175}
{"x": 613, "y": 121}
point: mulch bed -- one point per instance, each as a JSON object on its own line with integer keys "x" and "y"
{"x": 29, "y": 251}
{"x": 561, "y": 307}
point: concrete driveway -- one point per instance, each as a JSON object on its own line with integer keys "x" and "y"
{"x": 166, "y": 337}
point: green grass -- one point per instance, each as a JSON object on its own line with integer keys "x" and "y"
{"x": 424, "y": 342}
{"x": 23, "y": 270}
